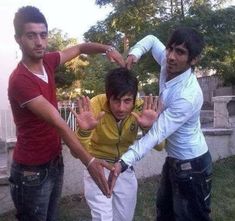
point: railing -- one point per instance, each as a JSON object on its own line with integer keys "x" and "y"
{"x": 7, "y": 125}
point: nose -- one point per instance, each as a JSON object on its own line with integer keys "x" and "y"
{"x": 38, "y": 39}
{"x": 121, "y": 106}
{"x": 171, "y": 55}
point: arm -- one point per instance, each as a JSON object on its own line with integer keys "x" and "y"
{"x": 167, "y": 123}
{"x": 44, "y": 110}
{"x": 91, "y": 48}
{"x": 148, "y": 43}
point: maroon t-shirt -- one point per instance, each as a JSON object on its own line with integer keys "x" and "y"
{"x": 37, "y": 141}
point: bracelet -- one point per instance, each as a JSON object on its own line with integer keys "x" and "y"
{"x": 109, "y": 50}
{"x": 90, "y": 162}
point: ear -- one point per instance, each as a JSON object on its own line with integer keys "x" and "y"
{"x": 194, "y": 61}
{"x": 17, "y": 39}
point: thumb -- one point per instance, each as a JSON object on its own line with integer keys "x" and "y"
{"x": 100, "y": 115}
{"x": 136, "y": 115}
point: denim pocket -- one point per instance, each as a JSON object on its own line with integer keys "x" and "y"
{"x": 184, "y": 183}
{"x": 34, "y": 178}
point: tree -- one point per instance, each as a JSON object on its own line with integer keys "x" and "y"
{"x": 137, "y": 18}
{"x": 68, "y": 74}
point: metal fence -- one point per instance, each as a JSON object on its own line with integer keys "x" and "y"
{"x": 7, "y": 125}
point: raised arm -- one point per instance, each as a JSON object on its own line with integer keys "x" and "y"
{"x": 148, "y": 43}
{"x": 91, "y": 48}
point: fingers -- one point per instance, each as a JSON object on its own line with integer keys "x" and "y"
{"x": 106, "y": 165}
{"x": 73, "y": 112}
{"x": 150, "y": 102}
{"x": 117, "y": 57}
{"x": 96, "y": 171}
{"x": 131, "y": 59}
{"x": 113, "y": 176}
{"x": 100, "y": 115}
{"x": 83, "y": 104}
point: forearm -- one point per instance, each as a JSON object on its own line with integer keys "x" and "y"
{"x": 146, "y": 44}
{"x": 92, "y": 48}
{"x": 84, "y": 48}
{"x": 71, "y": 140}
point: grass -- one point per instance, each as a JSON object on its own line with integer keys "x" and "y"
{"x": 74, "y": 208}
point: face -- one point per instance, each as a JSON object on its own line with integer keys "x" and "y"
{"x": 178, "y": 59}
{"x": 121, "y": 107}
{"x": 33, "y": 41}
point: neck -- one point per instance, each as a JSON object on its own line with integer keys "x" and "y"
{"x": 35, "y": 66}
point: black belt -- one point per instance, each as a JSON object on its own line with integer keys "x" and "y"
{"x": 198, "y": 163}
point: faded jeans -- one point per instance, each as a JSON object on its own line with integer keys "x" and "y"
{"x": 185, "y": 190}
{"x": 36, "y": 190}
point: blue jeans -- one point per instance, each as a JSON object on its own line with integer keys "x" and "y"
{"x": 185, "y": 190}
{"x": 36, "y": 190}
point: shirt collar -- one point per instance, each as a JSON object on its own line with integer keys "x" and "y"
{"x": 182, "y": 77}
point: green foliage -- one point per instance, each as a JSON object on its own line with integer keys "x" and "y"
{"x": 137, "y": 18}
{"x": 92, "y": 82}
{"x": 68, "y": 74}
{"x": 130, "y": 21}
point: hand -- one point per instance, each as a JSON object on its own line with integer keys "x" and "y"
{"x": 85, "y": 118}
{"x": 96, "y": 170}
{"x": 113, "y": 176}
{"x": 115, "y": 56}
{"x": 151, "y": 109}
{"x": 131, "y": 59}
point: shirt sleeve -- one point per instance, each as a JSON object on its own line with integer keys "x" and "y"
{"x": 168, "y": 122}
{"x": 24, "y": 89}
{"x": 148, "y": 43}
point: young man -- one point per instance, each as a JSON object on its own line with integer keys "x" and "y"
{"x": 106, "y": 129}
{"x": 184, "y": 192}
{"x": 37, "y": 169}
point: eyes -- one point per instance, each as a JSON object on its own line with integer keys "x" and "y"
{"x": 178, "y": 50}
{"x": 126, "y": 101}
{"x": 34, "y": 35}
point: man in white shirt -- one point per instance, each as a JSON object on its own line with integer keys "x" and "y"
{"x": 184, "y": 191}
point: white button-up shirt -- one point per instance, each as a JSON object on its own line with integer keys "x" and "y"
{"x": 179, "y": 122}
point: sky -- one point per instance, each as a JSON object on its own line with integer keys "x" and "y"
{"x": 73, "y": 17}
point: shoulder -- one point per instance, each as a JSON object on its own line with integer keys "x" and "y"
{"x": 99, "y": 103}
{"x": 138, "y": 105}
{"x": 52, "y": 59}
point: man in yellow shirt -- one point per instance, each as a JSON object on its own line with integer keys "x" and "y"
{"x": 108, "y": 125}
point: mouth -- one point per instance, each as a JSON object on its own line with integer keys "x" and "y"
{"x": 39, "y": 50}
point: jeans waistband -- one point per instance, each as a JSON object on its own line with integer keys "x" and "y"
{"x": 56, "y": 161}
{"x": 198, "y": 163}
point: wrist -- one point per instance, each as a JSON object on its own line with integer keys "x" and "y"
{"x": 109, "y": 49}
{"x": 90, "y": 162}
{"x": 124, "y": 166}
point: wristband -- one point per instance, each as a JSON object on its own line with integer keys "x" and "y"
{"x": 109, "y": 50}
{"x": 90, "y": 162}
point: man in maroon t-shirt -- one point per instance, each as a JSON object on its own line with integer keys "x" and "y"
{"x": 37, "y": 169}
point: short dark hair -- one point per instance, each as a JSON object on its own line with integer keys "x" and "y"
{"x": 25, "y": 15}
{"x": 191, "y": 38}
{"x": 119, "y": 82}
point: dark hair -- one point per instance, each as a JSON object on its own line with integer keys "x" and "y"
{"x": 192, "y": 40}
{"x": 119, "y": 82}
{"x": 25, "y": 15}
